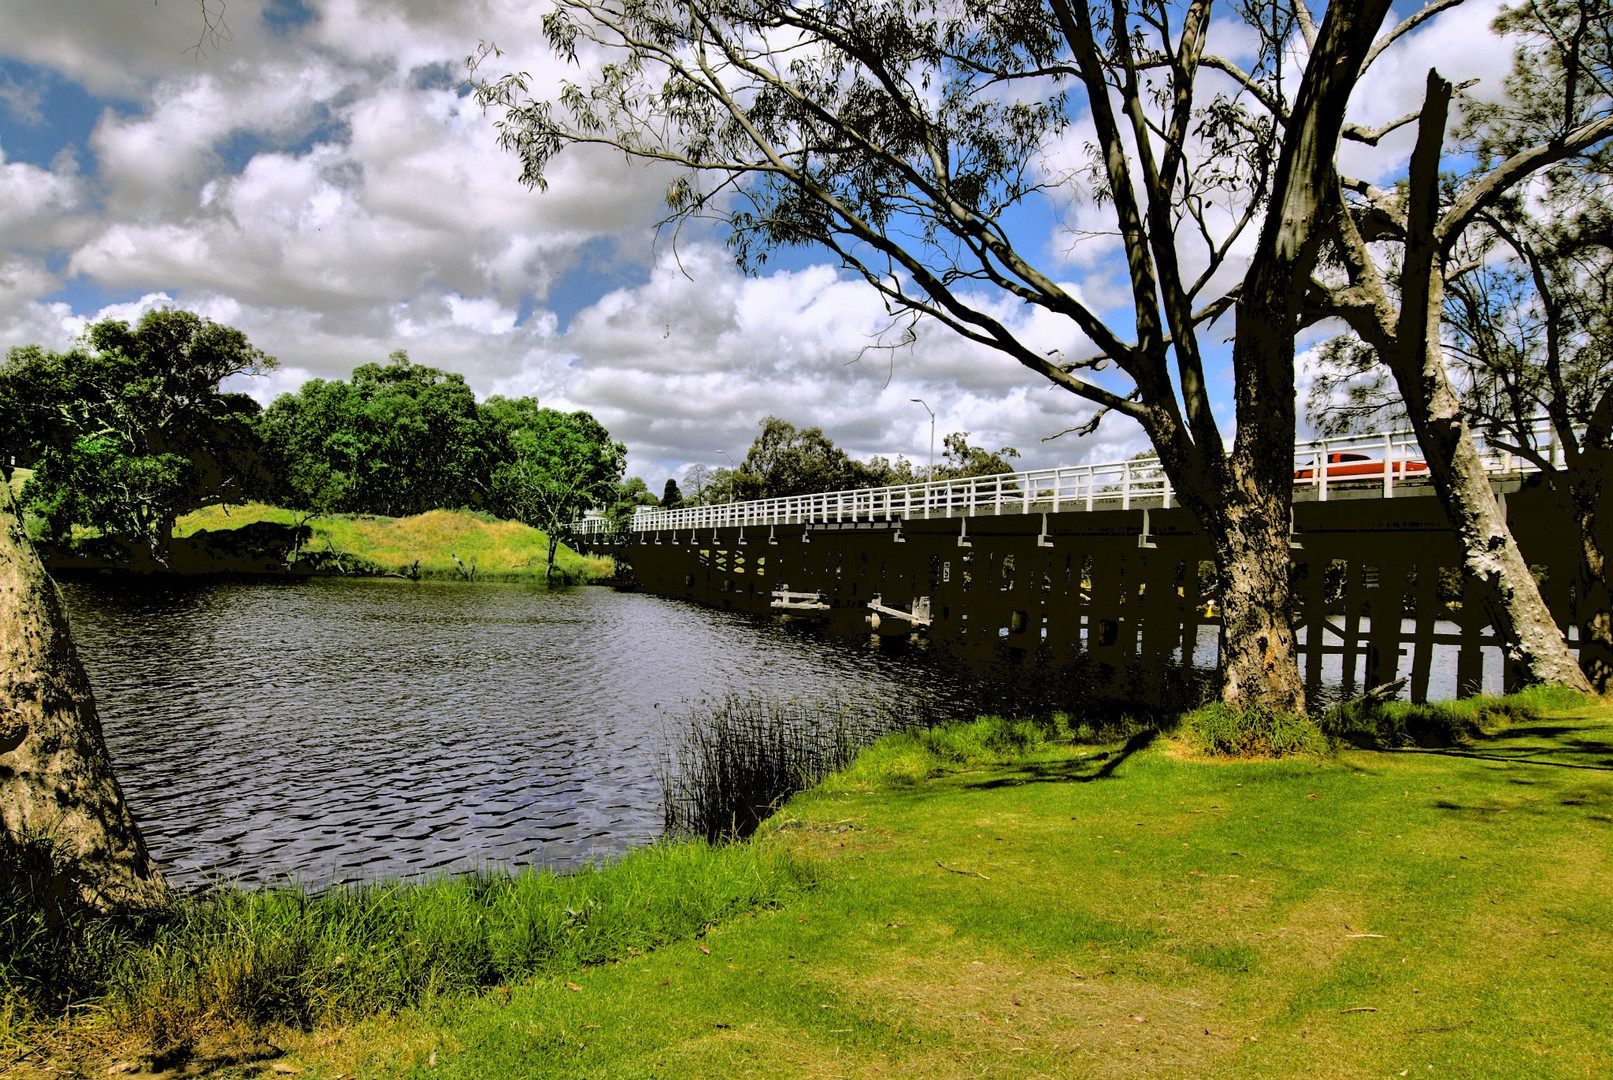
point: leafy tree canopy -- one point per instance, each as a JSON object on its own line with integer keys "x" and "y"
{"x": 130, "y": 429}
{"x": 400, "y": 438}
{"x": 786, "y": 460}
{"x": 562, "y": 466}
{"x": 962, "y": 460}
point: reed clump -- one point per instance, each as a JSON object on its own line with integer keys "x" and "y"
{"x": 729, "y": 764}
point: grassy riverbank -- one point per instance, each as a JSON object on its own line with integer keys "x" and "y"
{"x": 499, "y": 550}
{"x": 992, "y": 899}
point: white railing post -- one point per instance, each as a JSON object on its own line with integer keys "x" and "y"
{"x": 965, "y": 495}
{"x": 1389, "y": 466}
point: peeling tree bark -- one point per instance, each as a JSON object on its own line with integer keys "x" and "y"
{"x": 1252, "y": 506}
{"x": 56, "y": 782}
{"x": 1523, "y": 622}
{"x": 1593, "y": 605}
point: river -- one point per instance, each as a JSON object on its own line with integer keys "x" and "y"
{"x": 346, "y": 729}
{"x": 355, "y": 729}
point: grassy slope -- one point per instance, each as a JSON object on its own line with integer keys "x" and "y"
{"x": 1092, "y": 912}
{"x": 500, "y": 549}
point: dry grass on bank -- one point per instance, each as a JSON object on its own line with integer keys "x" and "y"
{"x": 498, "y": 549}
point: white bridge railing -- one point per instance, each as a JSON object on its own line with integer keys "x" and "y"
{"x": 1360, "y": 465}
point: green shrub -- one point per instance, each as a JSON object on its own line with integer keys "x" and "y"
{"x": 1220, "y": 731}
{"x": 1390, "y": 725}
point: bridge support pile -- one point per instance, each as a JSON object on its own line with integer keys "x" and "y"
{"x": 1379, "y": 585}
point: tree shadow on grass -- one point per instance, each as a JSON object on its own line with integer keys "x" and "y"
{"x": 1098, "y": 767}
{"x": 1562, "y": 744}
{"x": 1575, "y": 773}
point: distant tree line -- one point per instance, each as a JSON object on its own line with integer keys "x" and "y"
{"x": 129, "y": 429}
{"x": 787, "y": 460}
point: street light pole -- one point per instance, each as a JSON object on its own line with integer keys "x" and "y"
{"x": 931, "y": 476}
{"x": 732, "y": 468}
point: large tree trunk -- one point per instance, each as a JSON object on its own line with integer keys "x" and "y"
{"x": 1531, "y": 637}
{"x": 1245, "y": 497}
{"x": 1259, "y": 658}
{"x": 56, "y": 782}
{"x": 1259, "y": 661}
{"x": 1593, "y": 603}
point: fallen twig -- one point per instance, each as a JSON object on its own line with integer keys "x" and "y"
{"x": 966, "y": 873}
{"x": 1447, "y": 1027}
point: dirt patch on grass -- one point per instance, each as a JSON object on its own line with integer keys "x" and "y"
{"x": 989, "y": 1016}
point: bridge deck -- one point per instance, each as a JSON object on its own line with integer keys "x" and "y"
{"x": 1378, "y": 587}
{"x": 1378, "y": 466}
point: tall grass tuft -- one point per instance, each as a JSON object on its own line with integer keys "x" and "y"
{"x": 1217, "y": 730}
{"x": 288, "y": 956}
{"x": 1391, "y": 725}
{"x": 730, "y": 764}
{"x": 55, "y": 950}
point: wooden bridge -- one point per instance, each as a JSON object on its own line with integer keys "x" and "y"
{"x": 1046, "y": 565}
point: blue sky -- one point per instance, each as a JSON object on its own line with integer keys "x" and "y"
{"x": 320, "y": 180}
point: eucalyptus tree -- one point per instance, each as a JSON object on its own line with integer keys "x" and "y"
{"x": 130, "y": 428}
{"x": 560, "y": 466}
{"x": 1527, "y": 337}
{"x": 1399, "y": 249}
{"x": 909, "y": 139}
{"x": 1532, "y": 338}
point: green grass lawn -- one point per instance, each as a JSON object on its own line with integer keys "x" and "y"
{"x": 499, "y": 549}
{"x": 984, "y": 900}
{"x": 1114, "y": 911}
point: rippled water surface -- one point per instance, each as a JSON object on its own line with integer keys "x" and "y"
{"x": 342, "y": 729}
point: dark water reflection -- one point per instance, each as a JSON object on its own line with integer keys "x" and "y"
{"x": 343, "y": 729}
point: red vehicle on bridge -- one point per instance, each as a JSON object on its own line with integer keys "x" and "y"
{"x": 1348, "y": 465}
